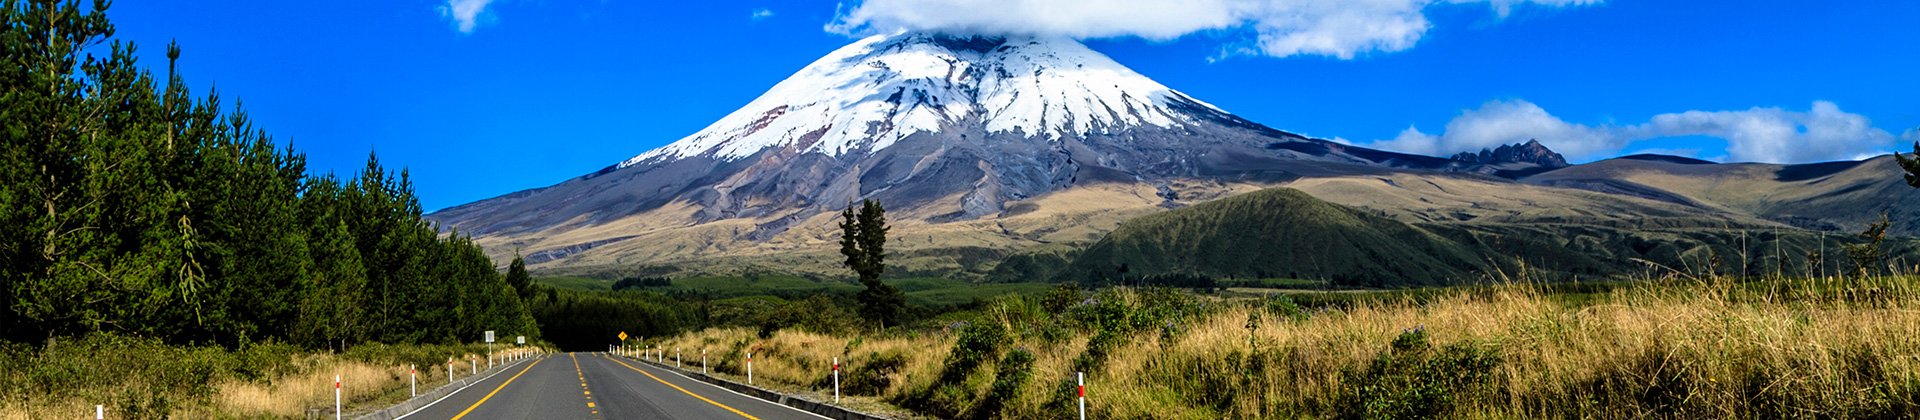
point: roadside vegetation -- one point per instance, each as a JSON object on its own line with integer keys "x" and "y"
{"x": 162, "y": 256}
{"x": 145, "y": 378}
{"x": 1675, "y": 347}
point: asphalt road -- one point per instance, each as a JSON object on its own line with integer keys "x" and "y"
{"x": 598, "y": 386}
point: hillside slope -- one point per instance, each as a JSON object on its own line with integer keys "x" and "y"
{"x": 1278, "y": 232}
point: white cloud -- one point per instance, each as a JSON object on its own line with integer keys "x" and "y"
{"x": 1776, "y": 135}
{"x": 465, "y": 13}
{"x": 760, "y": 14}
{"x": 1824, "y": 132}
{"x": 1279, "y": 28}
{"x": 1507, "y": 122}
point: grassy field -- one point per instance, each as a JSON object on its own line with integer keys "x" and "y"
{"x": 926, "y": 291}
{"x": 1660, "y": 348}
{"x": 141, "y": 378}
{"x": 575, "y": 283}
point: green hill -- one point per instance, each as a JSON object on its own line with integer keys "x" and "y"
{"x": 1272, "y": 233}
{"x": 1285, "y": 233}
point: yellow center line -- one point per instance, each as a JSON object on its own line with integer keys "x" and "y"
{"x": 583, "y": 385}
{"x": 503, "y": 385}
{"x": 690, "y": 393}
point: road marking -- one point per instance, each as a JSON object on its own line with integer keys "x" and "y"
{"x": 503, "y": 385}
{"x": 584, "y": 392}
{"x": 457, "y": 391}
{"x": 689, "y": 393}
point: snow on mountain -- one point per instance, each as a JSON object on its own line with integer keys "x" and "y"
{"x": 870, "y": 94}
{"x": 946, "y": 130}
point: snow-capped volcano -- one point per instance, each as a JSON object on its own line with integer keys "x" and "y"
{"x": 942, "y": 129}
{"x": 875, "y": 92}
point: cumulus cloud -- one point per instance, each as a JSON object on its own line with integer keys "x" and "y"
{"x": 1823, "y": 132}
{"x": 1777, "y": 135}
{"x": 760, "y": 14}
{"x": 466, "y": 14}
{"x": 1278, "y": 28}
{"x": 1507, "y": 122}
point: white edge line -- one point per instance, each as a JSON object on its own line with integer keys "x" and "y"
{"x": 722, "y": 388}
{"x": 503, "y": 369}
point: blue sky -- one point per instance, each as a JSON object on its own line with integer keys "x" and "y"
{"x": 533, "y": 92}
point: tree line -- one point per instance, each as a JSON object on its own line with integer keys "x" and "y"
{"x": 130, "y": 205}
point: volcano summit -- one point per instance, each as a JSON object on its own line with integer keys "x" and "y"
{"x": 979, "y": 146}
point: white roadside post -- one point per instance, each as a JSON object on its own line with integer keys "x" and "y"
{"x": 99, "y": 412}
{"x": 1082, "y": 392}
{"x": 749, "y": 368}
{"x": 336, "y": 397}
{"x": 836, "y": 379}
{"x": 449, "y": 370}
{"x": 703, "y": 361}
{"x": 676, "y": 358}
{"x": 473, "y": 365}
{"x": 413, "y": 381}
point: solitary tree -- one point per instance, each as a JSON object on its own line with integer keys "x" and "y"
{"x": 1867, "y": 255}
{"x": 863, "y": 240}
{"x": 518, "y": 278}
{"x": 1911, "y": 164}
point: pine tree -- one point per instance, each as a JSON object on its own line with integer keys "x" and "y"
{"x": 863, "y": 241}
{"x": 129, "y": 205}
{"x": 518, "y": 278}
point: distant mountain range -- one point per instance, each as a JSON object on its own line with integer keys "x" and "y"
{"x": 984, "y": 148}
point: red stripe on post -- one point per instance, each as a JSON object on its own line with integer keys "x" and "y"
{"x": 1082, "y": 390}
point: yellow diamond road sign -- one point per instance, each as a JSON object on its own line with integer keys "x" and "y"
{"x": 623, "y": 336}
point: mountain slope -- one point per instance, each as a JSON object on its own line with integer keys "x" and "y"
{"x": 1287, "y": 233}
{"x": 1281, "y": 233}
{"x": 982, "y": 147}
{"x": 940, "y": 128}
{"x": 1831, "y": 196}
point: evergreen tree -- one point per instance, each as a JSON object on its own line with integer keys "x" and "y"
{"x": 128, "y": 205}
{"x": 863, "y": 241}
{"x": 1911, "y": 165}
{"x": 518, "y": 278}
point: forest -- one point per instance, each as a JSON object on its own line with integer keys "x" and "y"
{"x": 132, "y": 205}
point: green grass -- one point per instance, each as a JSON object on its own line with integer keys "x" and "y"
{"x": 576, "y": 283}
{"x": 921, "y": 291}
{"x": 966, "y": 293}
{"x": 1276, "y": 283}
{"x": 775, "y": 285}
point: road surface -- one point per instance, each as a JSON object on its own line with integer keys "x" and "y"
{"x": 597, "y": 386}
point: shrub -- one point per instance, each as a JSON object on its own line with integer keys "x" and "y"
{"x": 1283, "y": 305}
{"x": 978, "y": 343}
{"x": 873, "y": 377}
{"x": 1060, "y": 298}
{"x": 1013, "y": 372}
{"x": 1411, "y": 380}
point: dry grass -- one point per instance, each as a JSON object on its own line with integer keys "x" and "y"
{"x": 305, "y": 385}
{"x": 1823, "y": 348}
